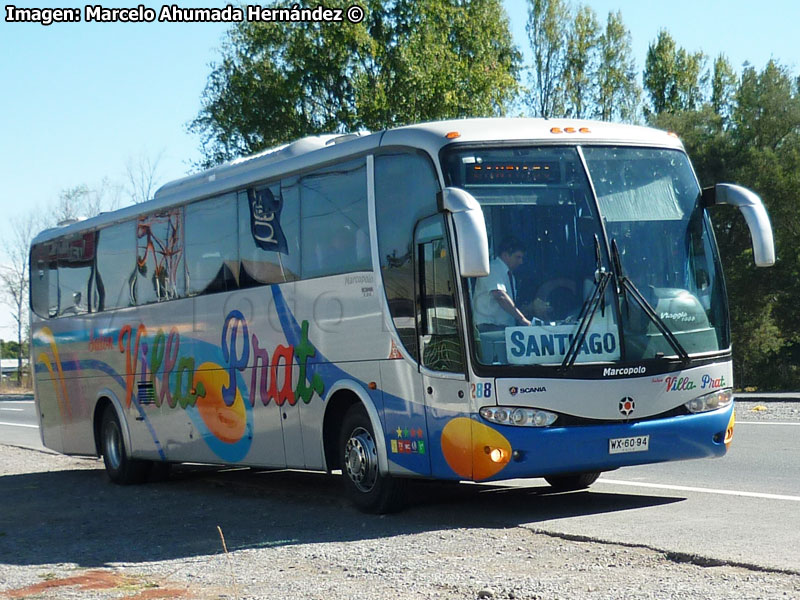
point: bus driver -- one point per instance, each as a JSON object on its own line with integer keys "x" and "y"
{"x": 495, "y": 295}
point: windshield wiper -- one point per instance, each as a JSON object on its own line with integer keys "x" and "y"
{"x": 626, "y": 285}
{"x": 601, "y": 279}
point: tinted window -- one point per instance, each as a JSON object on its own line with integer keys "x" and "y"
{"x": 159, "y": 257}
{"x": 405, "y": 191}
{"x": 442, "y": 349}
{"x": 212, "y": 259}
{"x": 44, "y": 280}
{"x": 116, "y": 267}
{"x": 75, "y": 265}
{"x": 269, "y": 234}
{"x": 335, "y": 229}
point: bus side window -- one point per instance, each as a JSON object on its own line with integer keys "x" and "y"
{"x": 115, "y": 267}
{"x": 212, "y": 253}
{"x": 405, "y": 192}
{"x": 44, "y": 281}
{"x": 269, "y": 250}
{"x": 75, "y": 265}
{"x": 440, "y": 340}
{"x": 335, "y": 228}
{"x": 159, "y": 257}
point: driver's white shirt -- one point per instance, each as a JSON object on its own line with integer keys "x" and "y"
{"x": 487, "y": 311}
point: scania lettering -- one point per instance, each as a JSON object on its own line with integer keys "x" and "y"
{"x": 317, "y": 306}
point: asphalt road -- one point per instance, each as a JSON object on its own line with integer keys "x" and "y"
{"x": 18, "y": 423}
{"x": 741, "y": 509}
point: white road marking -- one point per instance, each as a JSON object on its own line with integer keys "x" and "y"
{"x": 12, "y": 409}
{"x": 684, "y": 488}
{"x": 766, "y": 423}
{"x": 19, "y": 425}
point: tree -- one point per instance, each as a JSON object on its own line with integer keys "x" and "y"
{"x": 767, "y": 107}
{"x": 81, "y": 201}
{"x": 408, "y": 61}
{"x": 548, "y": 20}
{"x": 442, "y": 59}
{"x": 723, "y": 87}
{"x": 581, "y": 66}
{"x": 14, "y": 277}
{"x": 142, "y": 175}
{"x": 673, "y": 77}
{"x": 757, "y": 144}
{"x": 617, "y": 90}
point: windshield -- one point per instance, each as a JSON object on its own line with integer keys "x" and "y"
{"x": 547, "y": 299}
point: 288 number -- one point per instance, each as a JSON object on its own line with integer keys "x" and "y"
{"x": 481, "y": 390}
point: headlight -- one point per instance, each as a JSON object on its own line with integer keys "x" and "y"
{"x": 711, "y": 401}
{"x": 518, "y": 416}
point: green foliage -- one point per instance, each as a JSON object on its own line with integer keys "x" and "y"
{"x": 617, "y": 92}
{"x": 673, "y": 78}
{"x": 723, "y": 87}
{"x": 756, "y": 145}
{"x": 581, "y": 62}
{"x": 406, "y": 62}
{"x": 547, "y": 28}
{"x": 580, "y": 69}
{"x": 11, "y": 349}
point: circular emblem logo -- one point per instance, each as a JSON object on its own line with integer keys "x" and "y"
{"x": 513, "y": 390}
{"x": 626, "y": 406}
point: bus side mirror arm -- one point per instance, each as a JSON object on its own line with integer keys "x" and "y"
{"x": 471, "y": 239}
{"x": 754, "y": 213}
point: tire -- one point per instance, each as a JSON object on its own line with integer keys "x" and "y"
{"x": 577, "y": 481}
{"x": 120, "y": 467}
{"x": 364, "y": 485}
{"x": 159, "y": 470}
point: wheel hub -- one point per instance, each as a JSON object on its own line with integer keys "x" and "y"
{"x": 113, "y": 446}
{"x": 361, "y": 460}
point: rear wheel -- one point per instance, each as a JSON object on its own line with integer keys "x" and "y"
{"x": 120, "y": 467}
{"x": 577, "y": 481}
{"x": 364, "y": 484}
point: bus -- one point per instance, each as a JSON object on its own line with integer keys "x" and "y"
{"x": 323, "y": 306}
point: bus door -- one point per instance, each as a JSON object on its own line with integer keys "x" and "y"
{"x": 442, "y": 357}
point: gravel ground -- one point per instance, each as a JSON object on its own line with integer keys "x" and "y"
{"x": 767, "y": 411}
{"x": 290, "y": 535}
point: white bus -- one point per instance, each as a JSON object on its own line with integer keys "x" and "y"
{"x": 328, "y": 305}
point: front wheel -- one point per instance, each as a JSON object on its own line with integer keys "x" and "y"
{"x": 578, "y": 481}
{"x": 364, "y": 484}
{"x": 120, "y": 467}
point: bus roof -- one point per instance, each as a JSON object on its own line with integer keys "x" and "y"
{"x": 319, "y": 150}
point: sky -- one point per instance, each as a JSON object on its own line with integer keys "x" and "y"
{"x": 80, "y": 101}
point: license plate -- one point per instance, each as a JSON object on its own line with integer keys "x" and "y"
{"x": 639, "y": 443}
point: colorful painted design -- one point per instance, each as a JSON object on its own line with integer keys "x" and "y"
{"x": 468, "y": 447}
{"x": 214, "y": 394}
{"x": 408, "y": 441}
{"x": 407, "y": 446}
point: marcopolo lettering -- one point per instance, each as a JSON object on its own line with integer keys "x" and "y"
{"x": 611, "y": 371}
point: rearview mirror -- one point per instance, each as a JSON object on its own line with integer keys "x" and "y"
{"x": 754, "y": 214}
{"x": 472, "y": 243}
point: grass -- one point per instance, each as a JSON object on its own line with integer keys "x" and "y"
{"x": 13, "y": 390}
